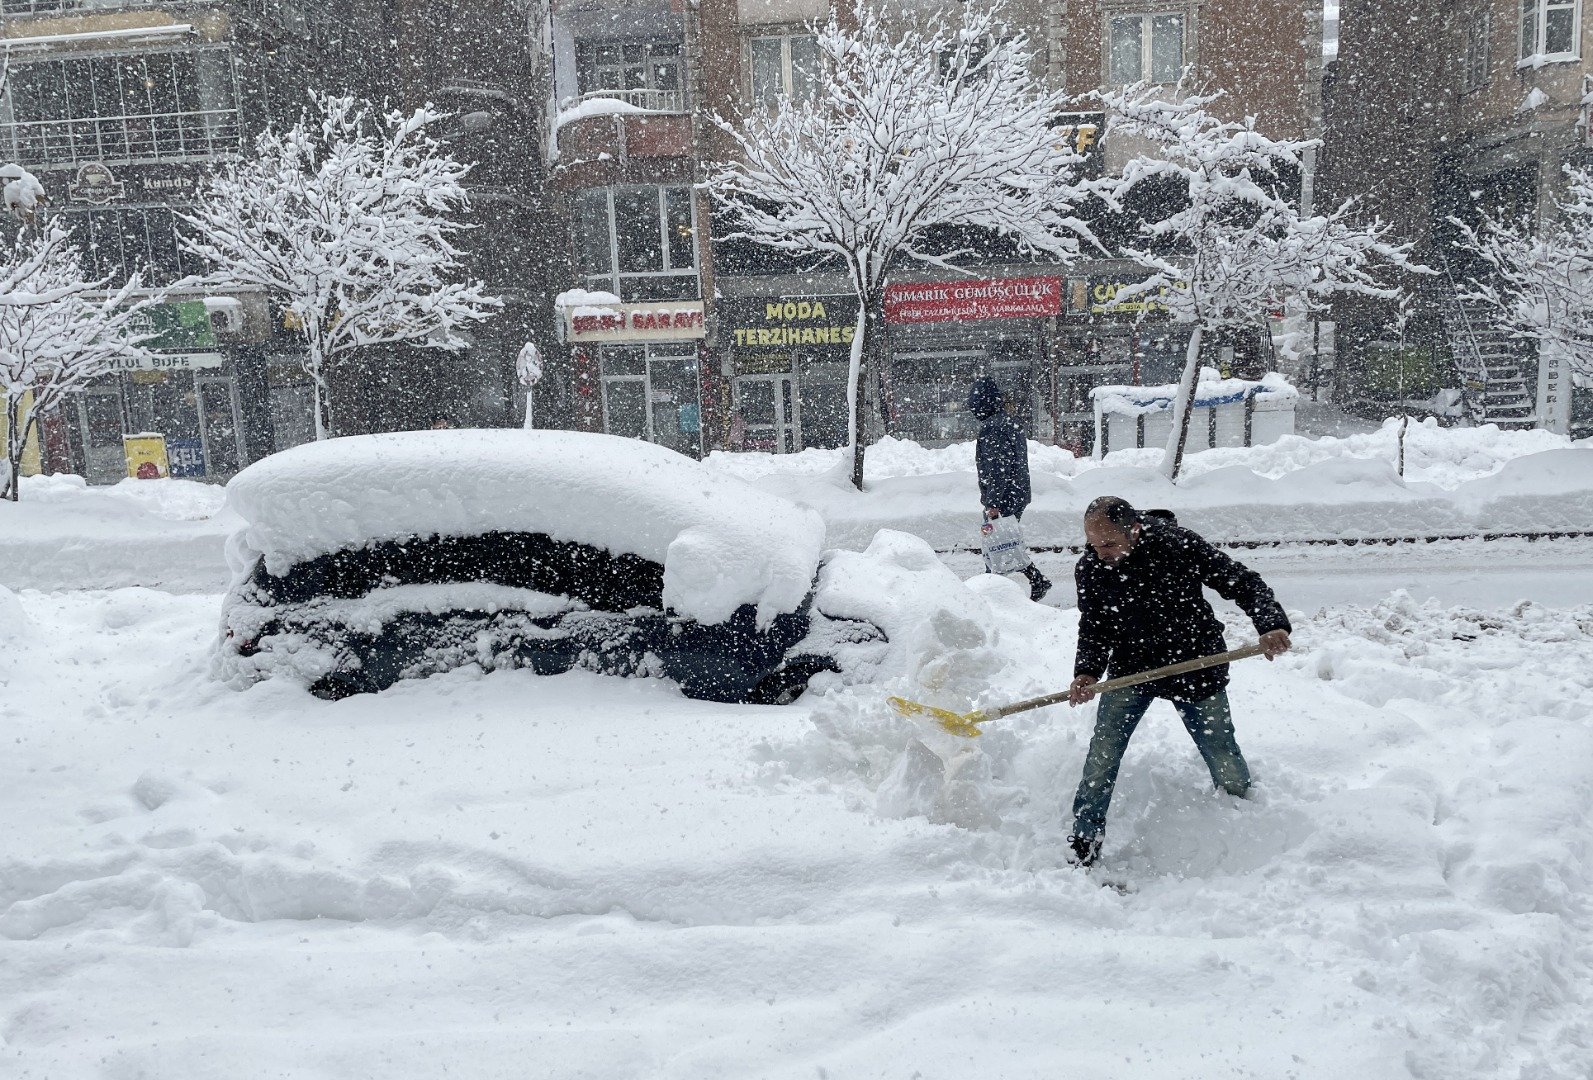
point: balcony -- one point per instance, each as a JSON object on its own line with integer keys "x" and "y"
{"x": 656, "y": 101}
{"x": 621, "y": 127}
{"x": 111, "y": 140}
{"x": 22, "y": 8}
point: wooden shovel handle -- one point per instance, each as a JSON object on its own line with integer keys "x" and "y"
{"x": 1198, "y": 664}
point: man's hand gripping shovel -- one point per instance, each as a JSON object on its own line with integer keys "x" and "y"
{"x": 967, "y": 724}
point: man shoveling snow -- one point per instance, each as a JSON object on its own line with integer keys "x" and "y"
{"x": 1141, "y": 607}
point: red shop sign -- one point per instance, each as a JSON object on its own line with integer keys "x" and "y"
{"x": 966, "y": 299}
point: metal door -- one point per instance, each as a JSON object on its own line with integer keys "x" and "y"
{"x": 219, "y": 426}
{"x": 99, "y": 410}
{"x": 771, "y": 413}
{"x": 625, "y": 406}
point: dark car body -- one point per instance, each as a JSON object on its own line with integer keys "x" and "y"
{"x": 361, "y": 619}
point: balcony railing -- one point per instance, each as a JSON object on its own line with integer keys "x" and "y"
{"x": 662, "y": 101}
{"x": 63, "y": 7}
{"x": 113, "y": 139}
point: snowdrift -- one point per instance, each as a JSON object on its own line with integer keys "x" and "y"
{"x": 1457, "y": 482}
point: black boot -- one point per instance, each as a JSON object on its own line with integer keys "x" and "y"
{"x": 1039, "y": 584}
{"x": 1086, "y": 849}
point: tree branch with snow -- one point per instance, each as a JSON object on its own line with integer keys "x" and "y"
{"x": 58, "y": 332}
{"x": 1539, "y": 284}
{"x": 346, "y": 219}
{"x": 911, "y": 130}
{"x": 1238, "y": 247}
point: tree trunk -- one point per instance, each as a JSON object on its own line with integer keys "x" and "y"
{"x": 315, "y": 367}
{"x": 854, "y": 389}
{"x": 16, "y": 439}
{"x": 1183, "y": 403}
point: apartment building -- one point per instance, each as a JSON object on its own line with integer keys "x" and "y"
{"x": 121, "y": 107}
{"x": 727, "y": 345}
{"x": 1449, "y": 109}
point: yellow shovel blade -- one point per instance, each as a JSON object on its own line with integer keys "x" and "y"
{"x": 964, "y": 724}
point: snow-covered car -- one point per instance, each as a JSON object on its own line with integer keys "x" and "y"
{"x": 370, "y": 559}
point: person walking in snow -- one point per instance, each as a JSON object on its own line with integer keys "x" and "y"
{"x": 1001, "y": 458}
{"x": 1141, "y": 607}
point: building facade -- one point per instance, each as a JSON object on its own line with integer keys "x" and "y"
{"x": 1445, "y": 110}
{"x": 754, "y": 352}
{"x": 121, "y": 108}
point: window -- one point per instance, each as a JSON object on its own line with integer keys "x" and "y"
{"x": 785, "y": 66}
{"x": 639, "y": 242}
{"x": 1144, "y": 48}
{"x": 1549, "y": 30}
{"x": 145, "y": 106}
{"x": 628, "y": 65}
{"x": 117, "y": 241}
{"x": 1478, "y": 55}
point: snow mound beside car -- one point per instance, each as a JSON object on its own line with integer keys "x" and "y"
{"x": 722, "y": 542}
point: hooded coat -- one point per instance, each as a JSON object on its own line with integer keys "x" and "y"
{"x": 1001, "y": 454}
{"x": 1148, "y": 610}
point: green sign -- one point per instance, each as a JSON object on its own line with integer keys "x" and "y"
{"x": 180, "y": 327}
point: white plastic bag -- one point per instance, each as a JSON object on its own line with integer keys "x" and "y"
{"x": 1002, "y": 541}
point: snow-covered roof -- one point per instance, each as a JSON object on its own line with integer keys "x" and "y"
{"x": 722, "y": 542}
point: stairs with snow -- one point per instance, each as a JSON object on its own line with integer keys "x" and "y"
{"x": 1490, "y": 363}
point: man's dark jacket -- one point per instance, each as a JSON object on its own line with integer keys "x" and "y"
{"x": 1148, "y": 610}
{"x": 1001, "y": 455}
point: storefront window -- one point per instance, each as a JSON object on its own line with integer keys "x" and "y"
{"x": 652, "y": 392}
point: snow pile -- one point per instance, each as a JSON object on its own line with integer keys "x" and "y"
{"x": 64, "y": 534}
{"x": 722, "y": 543}
{"x": 1456, "y": 483}
{"x": 1422, "y": 800}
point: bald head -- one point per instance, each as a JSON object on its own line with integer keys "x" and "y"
{"x": 1111, "y": 528}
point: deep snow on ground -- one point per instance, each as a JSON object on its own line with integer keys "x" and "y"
{"x": 507, "y": 876}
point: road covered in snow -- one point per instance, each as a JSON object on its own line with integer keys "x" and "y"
{"x": 505, "y": 876}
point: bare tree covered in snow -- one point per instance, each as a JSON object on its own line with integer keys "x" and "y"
{"x": 1541, "y": 281}
{"x": 940, "y": 124}
{"x": 22, "y": 191}
{"x": 58, "y": 331}
{"x": 345, "y": 217}
{"x": 1237, "y": 248}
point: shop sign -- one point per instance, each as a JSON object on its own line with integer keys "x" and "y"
{"x": 1554, "y": 391}
{"x": 168, "y": 362}
{"x": 968, "y": 299}
{"x": 156, "y": 183}
{"x": 146, "y": 456}
{"x": 96, "y": 185}
{"x": 187, "y": 456}
{"x": 789, "y": 322}
{"x": 1096, "y": 296}
{"x": 670, "y": 320}
{"x": 1083, "y": 131}
{"x": 180, "y": 327}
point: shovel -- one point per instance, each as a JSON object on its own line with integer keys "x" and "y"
{"x": 967, "y": 724}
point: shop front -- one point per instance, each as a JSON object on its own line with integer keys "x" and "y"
{"x": 1103, "y": 342}
{"x": 945, "y": 334}
{"x": 787, "y": 361}
{"x": 645, "y": 361}
{"x": 185, "y": 392}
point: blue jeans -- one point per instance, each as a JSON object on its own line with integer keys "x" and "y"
{"x": 1208, "y": 723}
